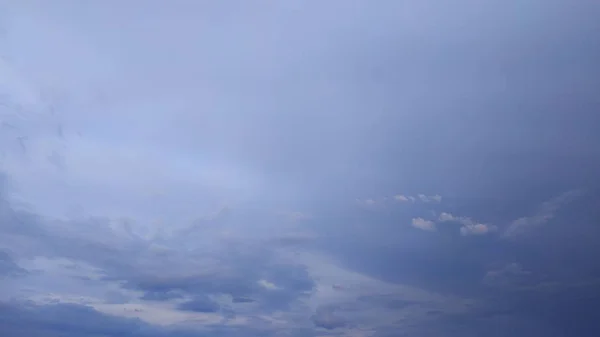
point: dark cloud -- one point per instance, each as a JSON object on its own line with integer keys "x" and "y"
{"x": 242, "y": 300}
{"x": 8, "y": 267}
{"x": 327, "y": 319}
{"x": 66, "y": 320}
{"x": 290, "y": 283}
{"x": 161, "y": 295}
{"x": 200, "y": 304}
{"x": 124, "y": 260}
{"x": 388, "y": 303}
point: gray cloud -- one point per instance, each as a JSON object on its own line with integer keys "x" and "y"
{"x": 240, "y": 268}
{"x": 8, "y": 267}
{"x": 76, "y": 320}
{"x": 161, "y": 295}
{"x": 64, "y": 320}
{"x": 161, "y": 158}
{"x": 200, "y": 304}
{"x": 326, "y": 318}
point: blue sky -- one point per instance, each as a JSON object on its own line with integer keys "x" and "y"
{"x": 299, "y": 168}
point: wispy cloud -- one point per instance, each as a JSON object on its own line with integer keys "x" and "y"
{"x": 512, "y": 274}
{"x": 399, "y": 198}
{"x": 545, "y": 213}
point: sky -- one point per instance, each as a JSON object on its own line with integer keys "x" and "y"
{"x": 299, "y": 168}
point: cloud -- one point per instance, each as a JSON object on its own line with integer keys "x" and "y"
{"x": 28, "y": 319}
{"x": 327, "y": 319}
{"x": 512, "y": 274}
{"x": 446, "y": 217}
{"x": 371, "y": 203}
{"x": 8, "y": 268}
{"x": 545, "y": 213}
{"x": 109, "y": 256}
{"x": 65, "y": 320}
{"x": 423, "y": 224}
{"x": 402, "y": 198}
{"x": 433, "y": 198}
{"x": 161, "y": 295}
{"x": 200, "y": 304}
{"x": 436, "y": 198}
{"x": 242, "y": 300}
{"x": 476, "y": 229}
{"x": 469, "y": 226}
{"x": 420, "y": 197}
{"x": 295, "y": 239}
{"x": 150, "y": 159}
{"x": 380, "y": 202}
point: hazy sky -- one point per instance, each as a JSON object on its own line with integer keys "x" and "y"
{"x": 299, "y": 168}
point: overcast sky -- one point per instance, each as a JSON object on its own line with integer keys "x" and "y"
{"x": 299, "y": 168}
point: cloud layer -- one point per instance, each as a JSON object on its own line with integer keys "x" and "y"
{"x": 299, "y": 168}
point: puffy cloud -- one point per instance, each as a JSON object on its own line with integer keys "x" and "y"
{"x": 423, "y": 197}
{"x": 446, "y": 217}
{"x": 476, "y": 229}
{"x": 436, "y": 198}
{"x": 402, "y": 198}
{"x": 426, "y": 225}
{"x": 469, "y": 226}
{"x": 420, "y": 197}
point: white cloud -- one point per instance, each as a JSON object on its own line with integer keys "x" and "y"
{"x": 431, "y": 198}
{"x": 370, "y": 202}
{"x": 401, "y": 198}
{"x": 405, "y": 198}
{"x": 446, "y": 217}
{"x": 469, "y": 226}
{"x": 423, "y": 224}
{"x": 268, "y": 285}
{"x": 476, "y": 229}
